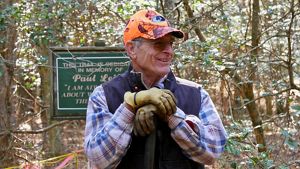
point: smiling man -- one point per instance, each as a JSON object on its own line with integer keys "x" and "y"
{"x": 148, "y": 105}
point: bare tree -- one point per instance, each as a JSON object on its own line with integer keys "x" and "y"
{"x": 7, "y": 59}
{"x": 249, "y": 88}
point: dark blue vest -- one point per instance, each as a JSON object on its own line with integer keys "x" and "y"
{"x": 168, "y": 154}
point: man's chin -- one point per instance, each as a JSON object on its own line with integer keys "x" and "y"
{"x": 163, "y": 72}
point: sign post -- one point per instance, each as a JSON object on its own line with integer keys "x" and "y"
{"x": 76, "y": 73}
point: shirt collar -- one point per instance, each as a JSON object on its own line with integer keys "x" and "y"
{"x": 159, "y": 84}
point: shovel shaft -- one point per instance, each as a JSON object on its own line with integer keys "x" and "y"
{"x": 150, "y": 149}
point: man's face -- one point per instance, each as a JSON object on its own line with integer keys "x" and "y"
{"x": 154, "y": 57}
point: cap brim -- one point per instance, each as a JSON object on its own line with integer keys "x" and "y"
{"x": 162, "y": 31}
{"x": 177, "y": 34}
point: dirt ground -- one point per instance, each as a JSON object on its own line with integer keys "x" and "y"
{"x": 73, "y": 136}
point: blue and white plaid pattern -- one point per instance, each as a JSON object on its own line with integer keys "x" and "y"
{"x": 108, "y": 135}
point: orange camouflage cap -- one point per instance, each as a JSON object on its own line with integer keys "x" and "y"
{"x": 148, "y": 24}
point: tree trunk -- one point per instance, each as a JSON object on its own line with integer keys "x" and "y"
{"x": 52, "y": 139}
{"x": 255, "y": 117}
{"x": 269, "y": 107}
{"x": 249, "y": 88}
{"x": 7, "y": 64}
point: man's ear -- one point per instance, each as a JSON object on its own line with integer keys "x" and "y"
{"x": 130, "y": 48}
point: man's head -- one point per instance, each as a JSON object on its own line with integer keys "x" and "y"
{"x": 148, "y": 24}
{"x": 148, "y": 40}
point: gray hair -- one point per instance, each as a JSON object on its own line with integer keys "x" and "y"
{"x": 137, "y": 41}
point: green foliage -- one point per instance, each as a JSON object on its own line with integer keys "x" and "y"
{"x": 296, "y": 108}
{"x": 227, "y": 49}
{"x": 241, "y": 148}
{"x": 289, "y": 140}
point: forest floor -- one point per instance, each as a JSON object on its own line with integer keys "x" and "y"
{"x": 281, "y": 155}
{"x": 281, "y": 152}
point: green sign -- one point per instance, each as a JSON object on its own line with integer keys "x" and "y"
{"x": 76, "y": 74}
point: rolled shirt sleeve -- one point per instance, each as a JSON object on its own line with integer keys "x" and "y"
{"x": 201, "y": 138}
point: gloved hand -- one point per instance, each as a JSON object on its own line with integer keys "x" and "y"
{"x": 163, "y": 99}
{"x": 143, "y": 123}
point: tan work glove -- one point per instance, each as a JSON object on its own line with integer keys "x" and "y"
{"x": 143, "y": 123}
{"x": 163, "y": 99}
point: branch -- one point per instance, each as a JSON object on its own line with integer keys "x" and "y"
{"x": 36, "y": 131}
{"x": 273, "y": 118}
{"x": 25, "y": 151}
{"x": 289, "y": 39}
{"x": 297, "y": 162}
{"x": 177, "y": 5}
{"x": 23, "y": 158}
{"x": 40, "y": 130}
{"x": 116, "y": 14}
{"x": 274, "y": 94}
{"x": 191, "y": 17}
{"x": 29, "y": 94}
{"x": 162, "y": 7}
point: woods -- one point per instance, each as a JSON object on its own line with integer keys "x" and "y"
{"x": 246, "y": 54}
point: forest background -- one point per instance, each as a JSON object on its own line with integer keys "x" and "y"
{"x": 245, "y": 53}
